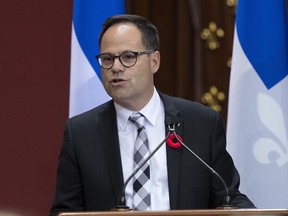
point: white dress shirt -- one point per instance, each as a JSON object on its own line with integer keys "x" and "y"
{"x": 155, "y": 129}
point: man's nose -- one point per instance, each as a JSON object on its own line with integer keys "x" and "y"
{"x": 117, "y": 66}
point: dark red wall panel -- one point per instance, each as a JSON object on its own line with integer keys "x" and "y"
{"x": 34, "y": 93}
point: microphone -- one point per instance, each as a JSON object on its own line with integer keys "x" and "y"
{"x": 227, "y": 200}
{"x": 122, "y": 201}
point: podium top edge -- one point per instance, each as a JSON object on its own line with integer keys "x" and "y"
{"x": 225, "y": 212}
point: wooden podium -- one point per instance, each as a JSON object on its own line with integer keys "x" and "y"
{"x": 228, "y": 212}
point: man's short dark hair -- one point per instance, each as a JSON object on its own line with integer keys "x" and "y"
{"x": 150, "y": 35}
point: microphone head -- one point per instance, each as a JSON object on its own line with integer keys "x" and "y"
{"x": 172, "y": 120}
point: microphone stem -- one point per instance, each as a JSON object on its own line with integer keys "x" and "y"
{"x": 227, "y": 198}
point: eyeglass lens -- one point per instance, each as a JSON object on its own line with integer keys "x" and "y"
{"x": 128, "y": 59}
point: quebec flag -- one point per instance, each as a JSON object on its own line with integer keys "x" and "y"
{"x": 86, "y": 89}
{"x": 257, "y": 127}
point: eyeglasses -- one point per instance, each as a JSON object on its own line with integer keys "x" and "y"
{"x": 127, "y": 58}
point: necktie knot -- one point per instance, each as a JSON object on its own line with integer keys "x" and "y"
{"x": 138, "y": 119}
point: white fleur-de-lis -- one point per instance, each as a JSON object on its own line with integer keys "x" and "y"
{"x": 271, "y": 116}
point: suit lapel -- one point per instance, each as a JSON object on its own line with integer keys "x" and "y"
{"x": 109, "y": 134}
{"x": 173, "y": 155}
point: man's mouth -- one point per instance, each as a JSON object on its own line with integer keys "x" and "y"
{"x": 117, "y": 80}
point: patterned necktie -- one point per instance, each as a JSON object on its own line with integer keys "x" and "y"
{"x": 141, "y": 181}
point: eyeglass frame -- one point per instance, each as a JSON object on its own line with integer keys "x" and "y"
{"x": 145, "y": 52}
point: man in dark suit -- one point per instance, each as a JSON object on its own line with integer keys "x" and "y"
{"x": 98, "y": 148}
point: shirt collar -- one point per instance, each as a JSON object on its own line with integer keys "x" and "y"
{"x": 150, "y": 111}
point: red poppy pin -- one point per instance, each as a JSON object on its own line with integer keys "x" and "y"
{"x": 173, "y": 142}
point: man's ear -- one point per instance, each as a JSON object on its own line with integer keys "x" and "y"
{"x": 155, "y": 61}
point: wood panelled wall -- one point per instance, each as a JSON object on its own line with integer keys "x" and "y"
{"x": 191, "y": 60}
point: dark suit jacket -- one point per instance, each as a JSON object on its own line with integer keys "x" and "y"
{"x": 90, "y": 177}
